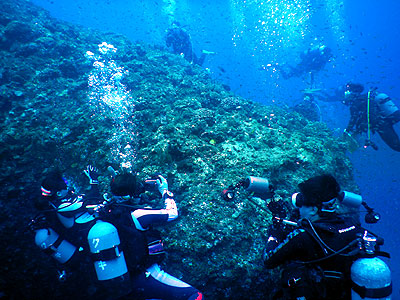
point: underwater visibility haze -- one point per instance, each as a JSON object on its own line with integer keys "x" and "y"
{"x": 93, "y": 82}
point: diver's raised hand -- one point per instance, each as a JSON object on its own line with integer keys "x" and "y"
{"x": 91, "y": 173}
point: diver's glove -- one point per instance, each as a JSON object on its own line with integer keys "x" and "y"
{"x": 162, "y": 185}
{"x": 91, "y": 173}
{"x": 170, "y": 206}
{"x": 279, "y": 231}
{"x": 274, "y": 239}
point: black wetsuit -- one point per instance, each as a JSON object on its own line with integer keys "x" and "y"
{"x": 358, "y": 122}
{"x": 312, "y": 60}
{"x": 142, "y": 248}
{"x": 179, "y": 40}
{"x": 327, "y": 279}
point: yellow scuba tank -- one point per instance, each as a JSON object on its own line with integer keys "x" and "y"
{"x": 109, "y": 260}
{"x": 50, "y": 242}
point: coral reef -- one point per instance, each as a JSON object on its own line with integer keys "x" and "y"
{"x": 188, "y": 127}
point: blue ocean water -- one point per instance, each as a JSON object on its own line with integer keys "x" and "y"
{"x": 253, "y": 39}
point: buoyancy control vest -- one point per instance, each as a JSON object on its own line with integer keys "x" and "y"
{"x": 370, "y": 276}
{"x": 72, "y": 211}
{"x": 110, "y": 243}
{"x": 142, "y": 248}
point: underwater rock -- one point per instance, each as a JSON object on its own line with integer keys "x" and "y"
{"x": 140, "y": 51}
{"x": 17, "y": 31}
{"x": 69, "y": 69}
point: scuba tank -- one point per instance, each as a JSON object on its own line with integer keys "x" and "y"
{"x": 371, "y": 279}
{"x": 49, "y": 241}
{"x": 386, "y": 105}
{"x": 109, "y": 260}
{"x": 370, "y": 276}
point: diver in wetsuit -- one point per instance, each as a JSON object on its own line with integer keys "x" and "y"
{"x": 372, "y": 112}
{"x": 313, "y": 60}
{"x": 179, "y": 40}
{"x": 317, "y": 254}
{"x": 105, "y": 248}
{"x": 309, "y": 108}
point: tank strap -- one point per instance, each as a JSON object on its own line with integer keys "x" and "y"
{"x": 372, "y": 293}
{"x": 52, "y": 248}
{"x": 106, "y": 254}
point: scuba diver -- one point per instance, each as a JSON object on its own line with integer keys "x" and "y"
{"x": 104, "y": 247}
{"x": 309, "y": 108}
{"x": 371, "y": 112}
{"x": 312, "y": 60}
{"x": 325, "y": 255}
{"x": 179, "y": 40}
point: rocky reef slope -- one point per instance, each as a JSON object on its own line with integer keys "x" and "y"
{"x": 186, "y": 126}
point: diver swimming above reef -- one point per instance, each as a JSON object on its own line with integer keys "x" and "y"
{"x": 312, "y": 60}
{"x": 180, "y": 42}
